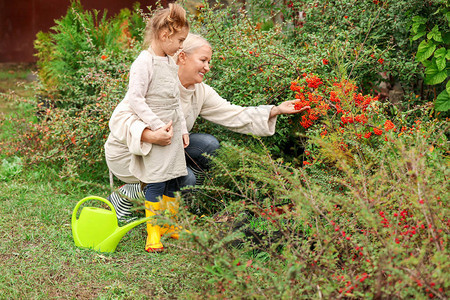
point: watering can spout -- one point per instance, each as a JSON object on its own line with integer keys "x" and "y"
{"x": 113, "y": 240}
{"x": 97, "y": 228}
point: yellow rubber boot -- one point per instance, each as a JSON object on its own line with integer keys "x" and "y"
{"x": 153, "y": 243}
{"x": 172, "y": 205}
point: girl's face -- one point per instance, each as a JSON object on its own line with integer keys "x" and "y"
{"x": 169, "y": 45}
{"x": 193, "y": 66}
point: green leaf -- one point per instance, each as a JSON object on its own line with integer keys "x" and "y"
{"x": 434, "y": 76}
{"x": 419, "y": 19}
{"x": 427, "y": 63}
{"x": 447, "y": 87}
{"x": 442, "y": 102}
{"x": 425, "y": 50}
{"x": 447, "y": 56}
{"x": 441, "y": 63}
{"x": 418, "y": 35}
{"x": 440, "y": 52}
{"x": 417, "y": 27}
{"x": 435, "y": 34}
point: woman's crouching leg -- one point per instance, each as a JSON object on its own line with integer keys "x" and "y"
{"x": 122, "y": 199}
{"x": 199, "y": 145}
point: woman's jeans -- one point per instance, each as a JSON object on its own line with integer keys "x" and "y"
{"x": 197, "y": 163}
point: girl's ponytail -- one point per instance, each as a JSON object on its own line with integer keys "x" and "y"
{"x": 177, "y": 16}
{"x": 172, "y": 18}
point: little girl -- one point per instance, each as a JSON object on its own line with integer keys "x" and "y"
{"x": 153, "y": 96}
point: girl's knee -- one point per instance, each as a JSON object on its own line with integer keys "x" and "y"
{"x": 153, "y": 191}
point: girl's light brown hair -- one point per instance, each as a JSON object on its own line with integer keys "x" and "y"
{"x": 172, "y": 18}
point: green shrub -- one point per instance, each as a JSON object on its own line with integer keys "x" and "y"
{"x": 259, "y": 50}
{"x": 83, "y": 70}
{"x": 365, "y": 217}
{"x": 384, "y": 235}
{"x": 83, "y": 42}
{"x": 434, "y": 52}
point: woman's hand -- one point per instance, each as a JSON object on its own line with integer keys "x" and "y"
{"x": 185, "y": 140}
{"x": 286, "y": 108}
{"x": 162, "y": 136}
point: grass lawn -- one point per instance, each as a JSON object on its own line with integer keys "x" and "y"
{"x": 14, "y": 78}
{"x": 38, "y": 258}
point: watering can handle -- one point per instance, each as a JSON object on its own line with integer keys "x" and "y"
{"x": 75, "y": 210}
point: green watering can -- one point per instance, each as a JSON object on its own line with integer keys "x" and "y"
{"x": 97, "y": 228}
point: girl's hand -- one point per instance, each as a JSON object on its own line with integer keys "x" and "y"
{"x": 185, "y": 140}
{"x": 286, "y": 108}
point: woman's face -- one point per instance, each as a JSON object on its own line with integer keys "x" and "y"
{"x": 193, "y": 66}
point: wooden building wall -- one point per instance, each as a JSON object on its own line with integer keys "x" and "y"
{"x": 20, "y": 20}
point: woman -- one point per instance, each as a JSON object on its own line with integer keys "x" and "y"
{"x": 130, "y": 136}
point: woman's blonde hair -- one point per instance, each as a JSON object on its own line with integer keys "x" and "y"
{"x": 191, "y": 43}
{"x": 172, "y": 18}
